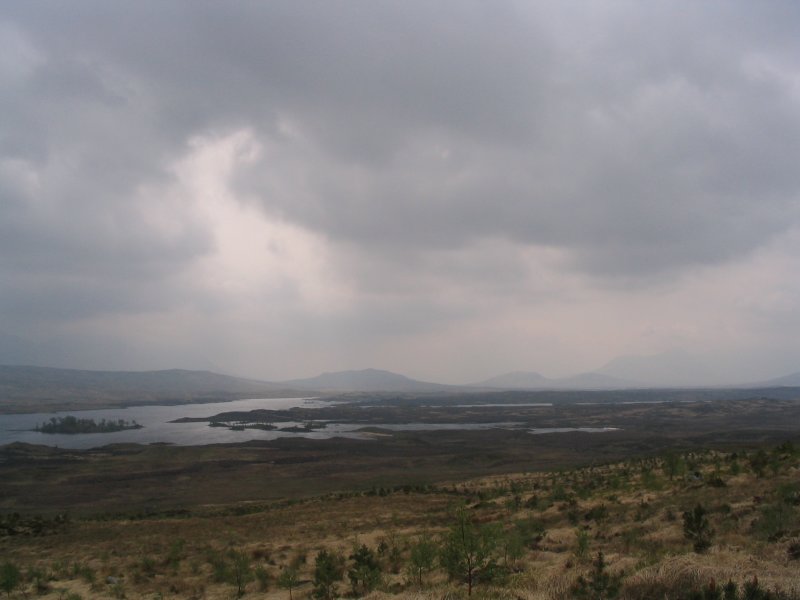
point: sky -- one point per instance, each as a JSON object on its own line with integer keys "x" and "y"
{"x": 450, "y": 190}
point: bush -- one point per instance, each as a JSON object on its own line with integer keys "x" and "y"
{"x": 600, "y": 584}
{"x": 598, "y": 514}
{"x": 262, "y": 576}
{"x": 175, "y": 554}
{"x": 219, "y": 567}
{"x": 240, "y": 572}
{"x": 327, "y": 571}
{"x": 469, "y": 548}
{"x": 40, "y": 580}
{"x": 422, "y": 558}
{"x": 148, "y": 567}
{"x": 759, "y": 462}
{"x": 581, "y": 543}
{"x": 85, "y": 572}
{"x": 9, "y": 577}
{"x": 365, "y": 573}
{"x": 794, "y": 551}
{"x": 774, "y": 522}
{"x": 697, "y": 529}
{"x": 288, "y": 579}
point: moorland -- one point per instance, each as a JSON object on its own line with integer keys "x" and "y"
{"x": 677, "y": 496}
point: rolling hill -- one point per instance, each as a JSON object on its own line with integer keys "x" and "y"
{"x": 33, "y": 389}
{"x": 365, "y": 380}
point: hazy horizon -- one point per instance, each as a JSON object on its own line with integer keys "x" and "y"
{"x": 450, "y": 190}
{"x": 653, "y": 372}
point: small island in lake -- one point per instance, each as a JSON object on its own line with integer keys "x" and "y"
{"x": 73, "y": 425}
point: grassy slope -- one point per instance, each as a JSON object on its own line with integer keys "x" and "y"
{"x": 639, "y": 530}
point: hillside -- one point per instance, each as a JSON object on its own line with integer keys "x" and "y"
{"x": 35, "y": 389}
{"x": 365, "y": 380}
{"x": 679, "y": 526}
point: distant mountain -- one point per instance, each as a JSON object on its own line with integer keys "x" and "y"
{"x": 674, "y": 368}
{"x": 35, "y": 388}
{"x": 366, "y": 380}
{"x": 517, "y": 380}
{"x": 530, "y": 380}
{"x": 597, "y": 381}
{"x": 792, "y": 380}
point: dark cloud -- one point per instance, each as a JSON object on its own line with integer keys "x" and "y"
{"x": 437, "y": 147}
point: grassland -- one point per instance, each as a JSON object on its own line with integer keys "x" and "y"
{"x": 631, "y": 511}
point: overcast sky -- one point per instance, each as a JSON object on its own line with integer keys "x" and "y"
{"x": 446, "y": 189}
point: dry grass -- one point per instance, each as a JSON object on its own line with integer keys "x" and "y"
{"x": 630, "y": 511}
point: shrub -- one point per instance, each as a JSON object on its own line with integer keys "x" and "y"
{"x": 327, "y": 571}
{"x": 598, "y": 513}
{"x": 752, "y": 590}
{"x": 40, "y": 580}
{"x": 118, "y": 590}
{"x": 85, "y": 572}
{"x": 240, "y": 572}
{"x": 697, "y": 529}
{"x": 581, "y": 543}
{"x": 789, "y": 493}
{"x": 422, "y": 558}
{"x": 600, "y": 584}
{"x": 148, "y": 567}
{"x": 262, "y": 576}
{"x": 219, "y": 566}
{"x": 794, "y": 551}
{"x": 9, "y": 577}
{"x": 774, "y": 521}
{"x": 759, "y": 462}
{"x": 468, "y": 548}
{"x": 530, "y": 530}
{"x": 288, "y": 579}
{"x": 175, "y": 554}
{"x": 673, "y": 465}
{"x": 730, "y": 591}
{"x": 365, "y": 573}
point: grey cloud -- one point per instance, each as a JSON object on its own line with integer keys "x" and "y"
{"x": 602, "y": 147}
{"x": 636, "y": 140}
{"x": 664, "y": 164}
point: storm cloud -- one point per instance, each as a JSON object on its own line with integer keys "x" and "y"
{"x": 280, "y": 188}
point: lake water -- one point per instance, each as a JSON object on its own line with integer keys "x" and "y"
{"x": 156, "y": 424}
{"x": 541, "y": 430}
{"x": 157, "y": 427}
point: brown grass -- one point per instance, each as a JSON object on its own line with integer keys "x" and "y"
{"x": 639, "y": 530}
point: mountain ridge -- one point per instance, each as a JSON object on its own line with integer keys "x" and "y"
{"x": 365, "y": 380}
{"x": 36, "y": 389}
